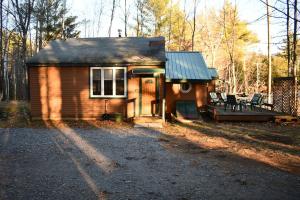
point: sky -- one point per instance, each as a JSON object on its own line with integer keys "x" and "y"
{"x": 251, "y": 11}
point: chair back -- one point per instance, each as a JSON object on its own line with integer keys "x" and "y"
{"x": 256, "y": 98}
{"x": 261, "y": 100}
{"x": 231, "y": 99}
{"x": 213, "y": 95}
{"x": 223, "y": 96}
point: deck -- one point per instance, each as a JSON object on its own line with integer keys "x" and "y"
{"x": 258, "y": 115}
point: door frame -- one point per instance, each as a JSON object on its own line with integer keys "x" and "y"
{"x": 156, "y": 85}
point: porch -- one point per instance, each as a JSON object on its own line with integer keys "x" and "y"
{"x": 218, "y": 113}
{"x": 146, "y": 96}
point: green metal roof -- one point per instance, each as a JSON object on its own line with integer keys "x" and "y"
{"x": 186, "y": 66}
{"x": 213, "y": 73}
{"x": 148, "y": 71}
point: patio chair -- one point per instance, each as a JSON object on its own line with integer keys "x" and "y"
{"x": 214, "y": 98}
{"x": 255, "y": 101}
{"x": 231, "y": 100}
{"x": 223, "y": 97}
{"x": 260, "y": 103}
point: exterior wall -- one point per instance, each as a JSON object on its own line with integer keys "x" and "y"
{"x": 134, "y": 91}
{"x": 198, "y": 93}
{"x": 63, "y": 92}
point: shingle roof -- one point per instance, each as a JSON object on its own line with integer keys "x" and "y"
{"x": 129, "y": 50}
{"x": 186, "y": 66}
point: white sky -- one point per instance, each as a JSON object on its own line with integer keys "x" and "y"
{"x": 249, "y": 11}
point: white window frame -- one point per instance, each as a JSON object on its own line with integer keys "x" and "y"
{"x": 114, "y": 82}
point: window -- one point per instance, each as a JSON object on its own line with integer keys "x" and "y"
{"x": 108, "y": 82}
{"x": 185, "y": 87}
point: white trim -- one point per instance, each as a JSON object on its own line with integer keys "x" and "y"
{"x": 114, "y": 82}
{"x": 188, "y": 90}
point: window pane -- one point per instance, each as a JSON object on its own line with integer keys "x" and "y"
{"x": 185, "y": 86}
{"x": 108, "y": 82}
{"x": 120, "y": 74}
{"x": 108, "y": 74}
{"x": 108, "y": 87}
{"x": 96, "y": 81}
{"x": 119, "y": 87}
{"x": 120, "y": 81}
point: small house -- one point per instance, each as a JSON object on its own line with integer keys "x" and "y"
{"x": 88, "y": 77}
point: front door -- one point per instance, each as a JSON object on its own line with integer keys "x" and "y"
{"x": 147, "y": 96}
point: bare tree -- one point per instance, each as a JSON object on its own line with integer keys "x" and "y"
{"x": 140, "y": 17}
{"x": 194, "y": 23}
{"x": 100, "y": 12}
{"x": 112, "y": 17}
{"x": 1, "y": 48}
{"x": 170, "y": 23}
{"x": 182, "y": 45}
{"x": 269, "y": 55}
{"x": 288, "y": 34}
{"x": 294, "y": 72}
{"x": 22, "y": 15}
{"x": 230, "y": 39}
{"x": 126, "y": 13}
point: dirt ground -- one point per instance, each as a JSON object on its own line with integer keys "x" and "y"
{"x": 108, "y": 160}
{"x": 269, "y": 143}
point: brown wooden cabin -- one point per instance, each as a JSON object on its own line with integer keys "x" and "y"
{"x": 86, "y": 78}
{"x": 188, "y": 79}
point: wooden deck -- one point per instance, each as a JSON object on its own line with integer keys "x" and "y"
{"x": 258, "y": 115}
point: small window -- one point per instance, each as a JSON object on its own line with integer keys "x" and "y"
{"x": 108, "y": 82}
{"x": 185, "y": 87}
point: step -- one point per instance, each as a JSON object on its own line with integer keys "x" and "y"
{"x": 148, "y": 125}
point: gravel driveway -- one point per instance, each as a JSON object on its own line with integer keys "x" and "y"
{"x": 74, "y": 163}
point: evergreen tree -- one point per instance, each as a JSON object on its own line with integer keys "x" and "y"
{"x": 52, "y": 21}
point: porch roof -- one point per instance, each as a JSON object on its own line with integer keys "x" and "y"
{"x": 187, "y": 66}
{"x": 148, "y": 71}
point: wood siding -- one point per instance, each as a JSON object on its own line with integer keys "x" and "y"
{"x": 64, "y": 93}
{"x": 198, "y": 93}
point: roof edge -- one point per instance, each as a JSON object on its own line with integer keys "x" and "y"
{"x": 95, "y": 64}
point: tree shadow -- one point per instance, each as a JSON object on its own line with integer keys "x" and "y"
{"x": 213, "y": 136}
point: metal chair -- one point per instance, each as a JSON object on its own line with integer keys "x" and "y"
{"x": 214, "y": 98}
{"x": 223, "y": 97}
{"x": 255, "y": 101}
{"x": 231, "y": 100}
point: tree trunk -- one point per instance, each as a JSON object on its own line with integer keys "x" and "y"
{"x": 294, "y": 72}
{"x": 295, "y": 56}
{"x": 2, "y": 93}
{"x": 245, "y": 77}
{"x": 125, "y": 24}
{"x": 194, "y": 24}
{"x": 40, "y": 34}
{"x": 288, "y": 36}
{"x": 269, "y": 55}
{"x": 257, "y": 77}
{"x": 170, "y": 24}
{"x": 111, "y": 17}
